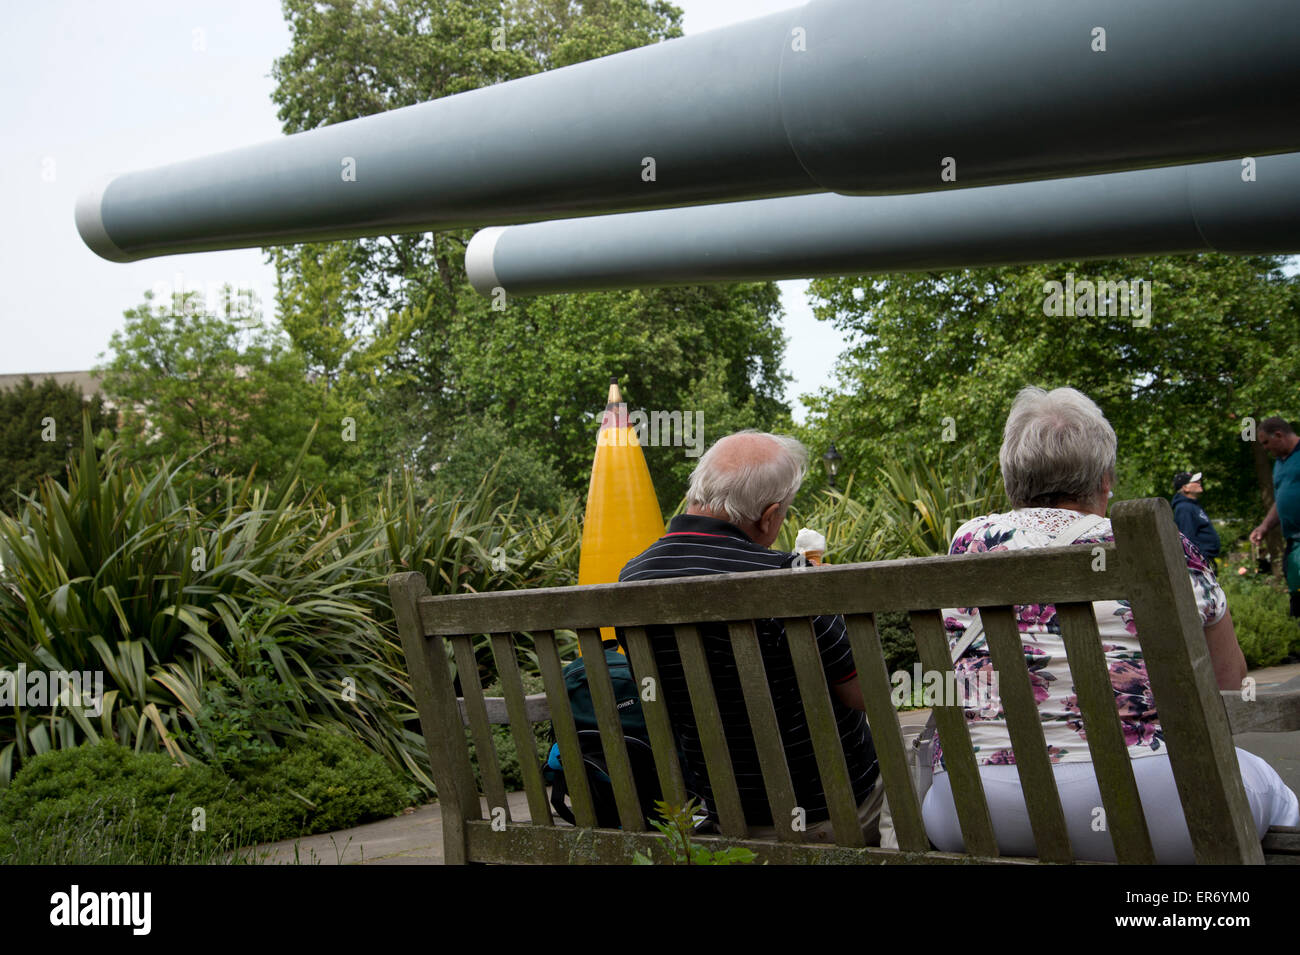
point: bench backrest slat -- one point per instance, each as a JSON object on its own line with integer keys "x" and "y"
{"x": 763, "y": 724}
{"x": 958, "y": 755}
{"x": 886, "y": 735}
{"x": 512, "y": 688}
{"x": 831, "y": 765}
{"x": 1016, "y": 694}
{"x": 658, "y": 723}
{"x": 617, "y": 764}
{"x": 1090, "y": 675}
{"x": 713, "y": 740}
{"x": 477, "y": 716}
{"x": 1009, "y": 577}
{"x": 566, "y": 731}
{"x": 1192, "y": 715}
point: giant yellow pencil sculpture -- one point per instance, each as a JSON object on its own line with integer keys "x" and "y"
{"x": 623, "y": 515}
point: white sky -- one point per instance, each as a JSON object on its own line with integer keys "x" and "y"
{"x": 101, "y": 87}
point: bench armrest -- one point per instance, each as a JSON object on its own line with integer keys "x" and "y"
{"x": 535, "y": 705}
{"x": 1272, "y": 711}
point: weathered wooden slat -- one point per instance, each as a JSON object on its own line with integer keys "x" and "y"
{"x": 472, "y": 703}
{"x": 435, "y": 700}
{"x": 958, "y": 755}
{"x": 891, "y": 751}
{"x": 1183, "y": 684}
{"x": 1025, "y": 727}
{"x": 658, "y": 724}
{"x": 1281, "y": 845}
{"x": 536, "y": 707}
{"x": 503, "y": 651}
{"x": 611, "y": 731}
{"x": 708, "y": 722}
{"x": 1091, "y": 676}
{"x": 1010, "y": 577}
{"x": 566, "y": 733}
{"x": 763, "y": 724}
{"x": 831, "y": 764}
{"x": 567, "y": 846}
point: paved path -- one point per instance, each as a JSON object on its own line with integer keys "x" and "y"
{"x": 415, "y": 837}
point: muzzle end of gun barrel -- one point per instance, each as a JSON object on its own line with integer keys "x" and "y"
{"x": 90, "y": 223}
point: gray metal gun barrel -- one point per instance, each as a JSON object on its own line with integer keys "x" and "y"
{"x": 853, "y": 96}
{"x": 1196, "y": 208}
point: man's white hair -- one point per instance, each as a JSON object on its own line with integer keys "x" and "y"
{"x": 742, "y": 491}
{"x": 1057, "y": 447}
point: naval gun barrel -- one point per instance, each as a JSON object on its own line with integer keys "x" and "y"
{"x": 1235, "y": 206}
{"x": 849, "y": 96}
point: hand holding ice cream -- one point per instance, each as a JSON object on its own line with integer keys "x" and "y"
{"x": 810, "y": 544}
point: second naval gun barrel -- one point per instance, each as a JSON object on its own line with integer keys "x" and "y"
{"x": 851, "y": 96}
{"x": 1236, "y": 206}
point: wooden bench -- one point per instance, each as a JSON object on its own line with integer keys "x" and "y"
{"x": 1145, "y": 566}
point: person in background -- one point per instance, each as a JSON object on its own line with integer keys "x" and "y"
{"x": 1279, "y": 439}
{"x": 1191, "y": 517}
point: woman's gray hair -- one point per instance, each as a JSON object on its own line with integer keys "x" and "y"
{"x": 1057, "y": 447}
{"x": 742, "y": 489}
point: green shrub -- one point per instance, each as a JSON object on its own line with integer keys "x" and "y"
{"x": 897, "y": 641}
{"x": 106, "y": 803}
{"x": 1267, "y": 634}
{"x": 323, "y": 783}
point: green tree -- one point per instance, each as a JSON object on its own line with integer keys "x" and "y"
{"x": 937, "y": 357}
{"x": 39, "y": 426}
{"x": 393, "y": 320}
{"x": 238, "y": 399}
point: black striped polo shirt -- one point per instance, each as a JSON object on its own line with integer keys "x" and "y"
{"x": 695, "y": 545}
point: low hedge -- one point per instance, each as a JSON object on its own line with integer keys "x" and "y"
{"x": 104, "y": 803}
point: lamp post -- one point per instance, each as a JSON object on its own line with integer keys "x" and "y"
{"x": 832, "y": 459}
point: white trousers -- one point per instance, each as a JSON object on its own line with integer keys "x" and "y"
{"x": 1272, "y": 803}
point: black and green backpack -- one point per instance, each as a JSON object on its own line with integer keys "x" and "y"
{"x": 640, "y": 755}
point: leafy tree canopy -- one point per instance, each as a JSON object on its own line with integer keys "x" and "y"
{"x": 1221, "y": 347}
{"x": 191, "y": 383}
{"x": 39, "y": 426}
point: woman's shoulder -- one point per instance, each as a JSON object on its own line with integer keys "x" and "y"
{"x": 1021, "y": 528}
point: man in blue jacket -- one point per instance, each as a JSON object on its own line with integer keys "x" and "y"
{"x": 1191, "y": 517}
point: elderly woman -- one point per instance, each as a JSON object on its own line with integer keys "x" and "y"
{"x": 1058, "y": 464}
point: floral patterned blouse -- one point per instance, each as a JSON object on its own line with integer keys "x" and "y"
{"x": 1045, "y": 652}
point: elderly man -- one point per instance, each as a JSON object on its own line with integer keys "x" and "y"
{"x": 1191, "y": 518}
{"x": 1279, "y": 439}
{"x": 737, "y": 500}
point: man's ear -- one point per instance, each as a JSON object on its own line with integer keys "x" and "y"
{"x": 770, "y": 521}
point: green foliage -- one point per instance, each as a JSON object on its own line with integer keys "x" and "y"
{"x": 240, "y": 718}
{"x": 224, "y": 631}
{"x": 913, "y": 508}
{"x": 1268, "y": 635}
{"x": 103, "y": 803}
{"x": 39, "y": 426}
{"x": 677, "y": 825}
{"x": 191, "y": 383}
{"x": 323, "y": 783}
{"x": 925, "y": 347}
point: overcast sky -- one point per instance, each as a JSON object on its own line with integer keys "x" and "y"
{"x": 95, "y": 88}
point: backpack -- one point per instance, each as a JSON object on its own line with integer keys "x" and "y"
{"x": 637, "y": 740}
